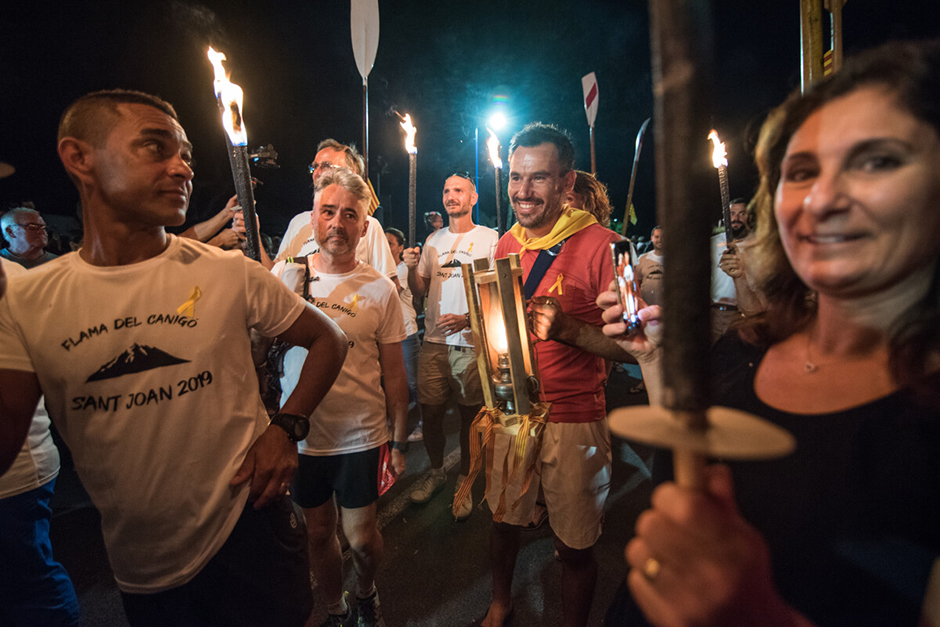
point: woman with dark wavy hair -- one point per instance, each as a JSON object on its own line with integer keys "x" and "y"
{"x": 590, "y": 195}
{"x": 846, "y": 531}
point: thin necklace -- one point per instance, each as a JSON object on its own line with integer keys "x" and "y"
{"x": 811, "y": 367}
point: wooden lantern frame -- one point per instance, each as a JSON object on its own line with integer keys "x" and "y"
{"x": 501, "y": 286}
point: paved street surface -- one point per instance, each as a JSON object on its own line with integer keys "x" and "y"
{"x": 435, "y": 571}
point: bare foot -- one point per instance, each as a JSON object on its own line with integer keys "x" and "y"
{"x": 497, "y": 616}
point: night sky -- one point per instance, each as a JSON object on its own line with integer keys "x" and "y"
{"x": 446, "y": 63}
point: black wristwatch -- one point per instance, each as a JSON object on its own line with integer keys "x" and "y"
{"x": 399, "y": 446}
{"x": 297, "y": 427}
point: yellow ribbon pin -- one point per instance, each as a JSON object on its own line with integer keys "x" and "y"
{"x": 188, "y": 308}
{"x": 470, "y": 248}
{"x": 355, "y": 303}
{"x": 557, "y": 285}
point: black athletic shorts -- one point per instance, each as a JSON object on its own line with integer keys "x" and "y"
{"x": 354, "y": 477}
{"x": 260, "y": 576}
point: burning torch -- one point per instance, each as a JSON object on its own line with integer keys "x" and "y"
{"x": 229, "y": 98}
{"x": 720, "y": 160}
{"x": 410, "y": 131}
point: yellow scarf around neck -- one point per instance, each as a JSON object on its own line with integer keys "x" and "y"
{"x": 569, "y": 222}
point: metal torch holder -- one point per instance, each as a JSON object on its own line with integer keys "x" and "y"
{"x": 502, "y": 287}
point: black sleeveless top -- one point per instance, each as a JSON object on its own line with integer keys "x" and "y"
{"x": 853, "y": 516}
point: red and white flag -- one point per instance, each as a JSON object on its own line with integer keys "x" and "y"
{"x": 589, "y": 85}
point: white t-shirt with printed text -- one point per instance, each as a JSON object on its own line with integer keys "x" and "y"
{"x": 352, "y": 416}
{"x": 147, "y": 373}
{"x": 440, "y": 261}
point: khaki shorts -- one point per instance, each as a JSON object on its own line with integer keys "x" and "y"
{"x": 572, "y": 474}
{"x": 445, "y": 371}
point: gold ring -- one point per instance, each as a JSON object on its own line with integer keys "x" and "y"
{"x": 651, "y": 568}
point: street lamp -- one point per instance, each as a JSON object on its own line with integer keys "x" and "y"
{"x": 497, "y": 121}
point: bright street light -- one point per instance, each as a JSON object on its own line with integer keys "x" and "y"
{"x": 497, "y": 121}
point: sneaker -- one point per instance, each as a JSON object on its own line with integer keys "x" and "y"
{"x": 432, "y": 480}
{"x": 347, "y": 620}
{"x": 370, "y": 611}
{"x": 417, "y": 435}
{"x": 463, "y": 511}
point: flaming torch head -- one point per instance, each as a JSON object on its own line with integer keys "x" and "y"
{"x": 719, "y": 156}
{"x": 230, "y": 97}
{"x": 216, "y": 58}
{"x": 492, "y": 145}
{"x": 410, "y": 131}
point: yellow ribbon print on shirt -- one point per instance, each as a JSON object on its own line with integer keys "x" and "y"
{"x": 470, "y": 248}
{"x": 557, "y": 285}
{"x": 188, "y": 308}
{"x": 354, "y": 306}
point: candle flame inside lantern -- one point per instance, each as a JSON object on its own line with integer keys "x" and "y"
{"x": 496, "y": 331}
{"x": 230, "y": 95}
{"x": 719, "y": 156}
{"x": 492, "y": 145}
{"x": 410, "y": 131}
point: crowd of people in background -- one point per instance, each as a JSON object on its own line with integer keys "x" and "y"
{"x": 216, "y": 506}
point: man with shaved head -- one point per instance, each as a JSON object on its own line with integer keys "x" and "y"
{"x": 140, "y": 343}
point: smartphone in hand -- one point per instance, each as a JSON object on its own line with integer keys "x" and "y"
{"x": 621, "y": 254}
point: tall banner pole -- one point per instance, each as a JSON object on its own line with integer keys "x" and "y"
{"x": 364, "y": 28}
{"x": 589, "y": 88}
{"x": 811, "y": 40}
{"x": 629, "y": 217}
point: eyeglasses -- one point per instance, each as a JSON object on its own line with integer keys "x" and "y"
{"x": 463, "y": 175}
{"x": 326, "y": 165}
{"x": 32, "y": 226}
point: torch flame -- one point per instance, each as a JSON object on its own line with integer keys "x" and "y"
{"x": 216, "y": 58}
{"x": 230, "y": 95}
{"x": 719, "y": 156}
{"x": 410, "y": 131}
{"x": 492, "y": 145}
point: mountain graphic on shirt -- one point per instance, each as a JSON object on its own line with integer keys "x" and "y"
{"x": 453, "y": 263}
{"x": 137, "y": 358}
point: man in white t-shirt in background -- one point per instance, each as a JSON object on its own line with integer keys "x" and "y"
{"x": 447, "y": 366}
{"x": 34, "y": 588}
{"x": 649, "y": 270}
{"x": 140, "y": 343}
{"x": 348, "y": 437}
{"x": 298, "y": 240}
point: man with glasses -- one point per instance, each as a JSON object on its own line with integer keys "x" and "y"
{"x": 25, "y": 230}
{"x": 446, "y": 364}
{"x": 298, "y": 240}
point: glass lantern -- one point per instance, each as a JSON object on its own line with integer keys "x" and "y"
{"x": 505, "y": 357}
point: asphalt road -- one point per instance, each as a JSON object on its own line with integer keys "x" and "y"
{"x": 435, "y": 571}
